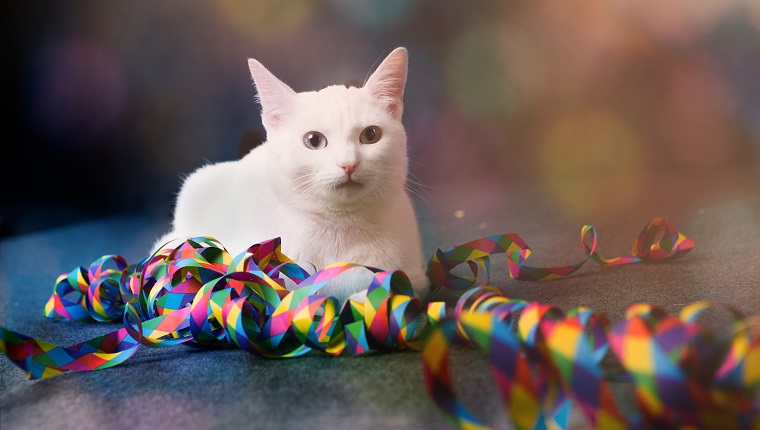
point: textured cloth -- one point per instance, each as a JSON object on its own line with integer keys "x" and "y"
{"x": 183, "y": 387}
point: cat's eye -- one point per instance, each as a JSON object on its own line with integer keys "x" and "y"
{"x": 314, "y": 140}
{"x": 370, "y": 134}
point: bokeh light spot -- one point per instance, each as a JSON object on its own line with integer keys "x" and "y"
{"x": 696, "y": 115}
{"x": 264, "y": 18}
{"x": 677, "y": 21}
{"x": 590, "y": 163}
{"x": 753, "y": 13}
{"x": 372, "y": 13}
{"x": 477, "y": 78}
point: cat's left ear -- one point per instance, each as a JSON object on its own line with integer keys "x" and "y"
{"x": 387, "y": 82}
{"x": 274, "y": 95}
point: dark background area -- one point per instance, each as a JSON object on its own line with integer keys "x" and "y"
{"x": 533, "y": 117}
{"x": 588, "y": 108}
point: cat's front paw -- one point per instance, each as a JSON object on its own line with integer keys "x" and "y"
{"x": 420, "y": 283}
{"x": 347, "y": 284}
{"x": 354, "y": 283}
{"x": 359, "y": 297}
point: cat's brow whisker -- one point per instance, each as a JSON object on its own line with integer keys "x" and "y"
{"x": 371, "y": 69}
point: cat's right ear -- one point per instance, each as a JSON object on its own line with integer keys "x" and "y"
{"x": 387, "y": 82}
{"x": 273, "y": 95}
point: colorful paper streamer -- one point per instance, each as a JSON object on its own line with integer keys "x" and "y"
{"x": 543, "y": 361}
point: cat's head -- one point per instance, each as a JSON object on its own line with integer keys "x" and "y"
{"x": 340, "y": 147}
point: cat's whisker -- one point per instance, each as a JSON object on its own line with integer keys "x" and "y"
{"x": 410, "y": 185}
{"x": 300, "y": 186}
{"x": 415, "y": 187}
{"x": 308, "y": 175}
{"x": 313, "y": 186}
{"x": 422, "y": 187}
{"x": 308, "y": 185}
{"x": 422, "y": 193}
{"x": 303, "y": 187}
{"x": 306, "y": 191}
{"x": 422, "y": 197}
{"x": 411, "y": 160}
{"x": 415, "y": 182}
{"x": 413, "y": 179}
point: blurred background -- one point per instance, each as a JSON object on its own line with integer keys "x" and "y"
{"x": 596, "y": 110}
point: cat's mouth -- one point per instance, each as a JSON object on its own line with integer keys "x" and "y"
{"x": 348, "y": 184}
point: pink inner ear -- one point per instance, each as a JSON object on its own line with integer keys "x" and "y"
{"x": 273, "y": 95}
{"x": 273, "y": 109}
{"x": 388, "y": 81}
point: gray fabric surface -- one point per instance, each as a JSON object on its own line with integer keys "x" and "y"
{"x": 182, "y": 387}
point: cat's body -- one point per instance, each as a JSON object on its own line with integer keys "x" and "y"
{"x": 330, "y": 181}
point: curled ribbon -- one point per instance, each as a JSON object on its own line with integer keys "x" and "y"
{"x": 544, "y": 361}
{"x": 658, "y": 241}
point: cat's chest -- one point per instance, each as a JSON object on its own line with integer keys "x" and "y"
{"x": 325, "y": 243}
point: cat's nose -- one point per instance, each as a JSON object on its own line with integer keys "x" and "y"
{"x": 348, "y": 168}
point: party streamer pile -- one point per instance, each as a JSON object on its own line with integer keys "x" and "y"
{"x": 544, "y": 361}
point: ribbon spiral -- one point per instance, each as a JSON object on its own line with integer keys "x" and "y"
{"x": 544, "y": 361}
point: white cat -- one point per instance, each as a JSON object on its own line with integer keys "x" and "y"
{"x": 329, "y": 180}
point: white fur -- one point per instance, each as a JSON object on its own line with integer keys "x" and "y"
{"x": 283, "y": 189}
